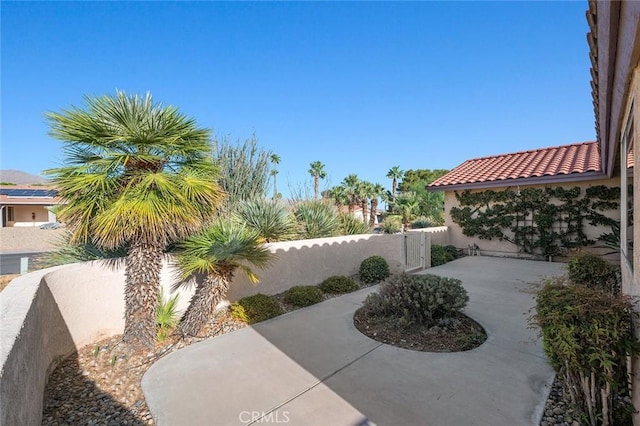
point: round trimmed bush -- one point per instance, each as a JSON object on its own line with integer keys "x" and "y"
{"x": 256, "y": 308}
{"x": 303, "y": 295}
{"x": 374, "y": 269}
{"x": 338, "y": 284}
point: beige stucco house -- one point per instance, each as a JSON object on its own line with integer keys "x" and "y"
{"x": 24, "y": 205}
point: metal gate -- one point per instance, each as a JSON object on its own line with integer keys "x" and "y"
{"x": 417, "y": 253}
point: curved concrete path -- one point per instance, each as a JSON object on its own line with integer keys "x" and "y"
{"x": 312, "y": 367}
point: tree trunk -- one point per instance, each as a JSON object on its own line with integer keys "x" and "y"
{"x": 374, "y": 211}
{"x": 142, "y": 286}
{"x": 275, "y": 188}
{"x": 203, "y": 303}
{"x": 315, "y": 187}
{"x": 393, "y": 189}
{"x": 364, "y": 209}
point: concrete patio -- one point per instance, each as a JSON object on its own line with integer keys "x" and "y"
{"x": 312, "y": 367}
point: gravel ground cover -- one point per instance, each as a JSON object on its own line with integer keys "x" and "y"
{"x": 28, "y": 239}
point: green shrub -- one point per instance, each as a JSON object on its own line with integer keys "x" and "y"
{"x": 441, "y": 254}
{"x": 167, "y": 315}
{"x": 452, "y": 252}
{"x": 594, "y": 272}
{"x": 270, "y": 219}
{"x": 338, "y": 284}
{"x": 317, "y": 219}
{"x": 351, "y": 225}
{"x": 417, "y": 299}
{"x": 303, "y": 295}
{"x": 391, "y": 224}
{"x": 587, "y": 335}
{"x": 256, "y": 308}
{"x": 421, "y": 222}
{"x": 374, "y": 269}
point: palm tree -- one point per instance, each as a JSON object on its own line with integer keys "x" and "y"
{"x": 377, "y": 190}
{"x": 406, "y": 206}
{"x": 350, "y": 184}
{"x": 318, "y": 172}
{"x": 275, "y": 160}
{"x": 364, "y": 191}
{"x": 217, "y": 252}
{"x": 339, "y": 195}
{"x": 136, "y": 175}
{"x": 394, "y": 173}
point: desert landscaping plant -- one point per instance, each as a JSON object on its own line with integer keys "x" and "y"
{"x": 167, "y": 315}
{"x": 317, "y": 219}
{"x": 392, "y": 224}
{"x": 217, "y": 252}
{"x": 351, "y": 225}
{"x": 338, "y": 284}
{"x": 374, "y": 269}
{"x": 417, "y": 299}
{"x": 594, "y": 272}
{"x": 135, "y": 175}
{"x": 587, "y": 336}
{"x": 269, "y": 218}
{"x": 442, "y": 254}
{"x": 303, "y": 295}
{"x": 256, "y": 308}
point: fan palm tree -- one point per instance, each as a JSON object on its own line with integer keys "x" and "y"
{"x": 394, "y": 173}
{"x": 364, "y": 191}
{"x": 275, "y": 160}
{"x": 318, "y": 172}
{"x": 350, "y": 184}
{"x": 339, "y": 195}
{"x": 377, "y": 191}
{"x": 217, "y": 252}
{"x": 137, "y": 175}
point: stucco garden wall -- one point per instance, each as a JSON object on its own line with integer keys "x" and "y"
{"x": 504, "y": 248}
{"x": 46, "y": 315}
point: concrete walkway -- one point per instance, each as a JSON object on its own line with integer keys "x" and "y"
{"x": 312, "y": 367}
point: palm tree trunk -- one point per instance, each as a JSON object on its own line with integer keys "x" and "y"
{"x": 374, "y": 211}
{"x": 142, "y": 286}
{"x": 364, "y": 203}
{"x": 315, "y": 187}
{"x": 393, "y": 189}
{"x": 203, "y": 303}
{"x": 275, "y": 188}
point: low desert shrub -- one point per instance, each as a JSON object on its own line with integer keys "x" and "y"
{"x": 303, "y": 295}
{"x": 374, "y": 269}
{"x": 167, "y": 315}
{"x": 422, "y": 222}
{"x": 391, "y": 224}
{"x": 417, "y": 299}
{"x": 587, "y": 336}
{"x": 351, "y": 225}
{"x": 594, "y": 272}
{"x": 338, "y": 284}
{"x": 256, "y": 308}
{"x": 442, "y": 254}
{"x": 452, "y": 252}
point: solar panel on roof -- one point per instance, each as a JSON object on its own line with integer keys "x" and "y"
{"x": 29, "y": 193}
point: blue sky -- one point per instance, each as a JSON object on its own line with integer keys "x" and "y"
{"x": 359, "y": 86}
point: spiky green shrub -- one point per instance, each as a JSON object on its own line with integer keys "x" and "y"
{"x": 254, "y": 309}
{"x": 167, "y": 316}
{"x": 422, "y": 222}
{"x": 338, "y": 284}
{"x": 67, "y": 252}
{"x": 303, "y": 295}
{"x": 270, "y": 219}
{"x": 374, "y": 269}
{"x": 317, "y": 219}
{"x": 587, "y": 336}
{"x": 417, "y": 299}
{"x": 594, "y": 272}
{"x": 391, "y": 224}
{"x": 441, "y": 254}
{"x": 351, "y": 225}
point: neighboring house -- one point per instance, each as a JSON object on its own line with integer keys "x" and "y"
{"x": 568, "y": 166}
{"x": 23, "y": 205}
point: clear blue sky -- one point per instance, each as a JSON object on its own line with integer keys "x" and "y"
{"x": 359, "y": 86}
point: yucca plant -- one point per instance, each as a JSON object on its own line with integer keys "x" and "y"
{"x": 217, "y": 252}
{"x": 167, "y": 315}
{"x": 351, "y": 225}
{"x": 135, "y": 175}
{"x": 269, "y": 218}
{"x": 317, "y": 219}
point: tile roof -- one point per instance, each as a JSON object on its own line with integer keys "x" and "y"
{"x": 571, "y": 159}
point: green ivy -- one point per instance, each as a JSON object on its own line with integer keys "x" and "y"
{"x": 538, "y": 221}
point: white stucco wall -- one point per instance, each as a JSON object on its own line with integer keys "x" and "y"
{"x": 46, "y": 315}
{"x": 495, "y": 247}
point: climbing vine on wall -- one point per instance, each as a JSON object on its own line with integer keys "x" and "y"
{"x": 537, "y": 220}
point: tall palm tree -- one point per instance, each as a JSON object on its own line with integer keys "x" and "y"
{"x": 350, "y": 184}
{"x": 136, "y": 175}
{"x": 394, "y": 173}
{"x": 318, "y": 172}
{"x": 217, "y": 252}
{"x": 275, "y": 160}
{"x": 377, "y": 191}
{"x": 339, "y": 195}
{"x": 364, "y": 191}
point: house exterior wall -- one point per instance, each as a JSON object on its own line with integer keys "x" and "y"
{"x": 23, "y": 215}
{"x": 504, "y": 248}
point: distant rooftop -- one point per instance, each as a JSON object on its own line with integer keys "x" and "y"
{"x": 578, "y": 161}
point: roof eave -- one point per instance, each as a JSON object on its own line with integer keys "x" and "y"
{"x": 536, "y": 180}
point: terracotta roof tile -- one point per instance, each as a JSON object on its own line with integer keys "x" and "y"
{"x": 560, "y": 160}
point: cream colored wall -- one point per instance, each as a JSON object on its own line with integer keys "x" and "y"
{"x": 23, "y": 216}
{"x": 504, "y": 248}
{"x": 46, "y": 315}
